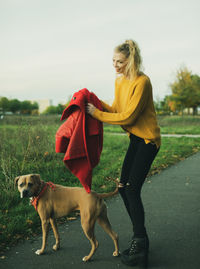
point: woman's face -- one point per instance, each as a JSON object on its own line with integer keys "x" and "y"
{"x": 119, "y": 62}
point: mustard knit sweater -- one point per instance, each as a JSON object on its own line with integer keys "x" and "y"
{"x": 133, "y": 109}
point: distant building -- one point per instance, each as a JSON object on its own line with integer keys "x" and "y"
{"x": 190, "y": 111}
{"x": 43, "y": 104}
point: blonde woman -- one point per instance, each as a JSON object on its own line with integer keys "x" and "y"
{"x": 133, "y": 110}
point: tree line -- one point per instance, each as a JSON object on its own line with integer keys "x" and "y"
{"x": 26, "y": 107}
{"x": 16, "y": 106}
{"x": 185, "y": 94}
{"x": 55, "y": 109}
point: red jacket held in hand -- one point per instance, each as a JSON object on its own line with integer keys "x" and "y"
{"x": 80, "y": 137}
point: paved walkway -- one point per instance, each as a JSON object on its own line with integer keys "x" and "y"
{"x": 172, "y": 203}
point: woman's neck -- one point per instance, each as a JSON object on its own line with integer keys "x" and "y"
{"x": 133, "y": 77}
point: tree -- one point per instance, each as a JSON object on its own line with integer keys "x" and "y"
{"x": 164, "y": 107}
{"x": 26, "y": 107}
{"x": 15, "y": 105}
{"x": 54, "y": 109}
{"x": 196, "y": 86}
{"x": 50, "y": 110}
{"x": 186, "y": 90}
{"x": 4, "y": 104}
{"x": 34, "y": 106}
{"x": 60, "y": 108}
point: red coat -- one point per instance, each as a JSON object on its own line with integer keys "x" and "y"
{"x": 80, "y": 137}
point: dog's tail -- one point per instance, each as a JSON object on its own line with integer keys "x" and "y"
{"x": 109, "y": 194}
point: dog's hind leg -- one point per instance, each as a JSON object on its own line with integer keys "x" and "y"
{"x": 56, "y": 234}
{"x": 45, "y": 230}
{"x": 105, "y": 224}
{"x": 88, "y": 228}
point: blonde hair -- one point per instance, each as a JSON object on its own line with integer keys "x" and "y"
{"x": 132, "y": 53}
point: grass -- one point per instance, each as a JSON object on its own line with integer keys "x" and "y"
{"x": 180, "y": 125}
{"x": 28, "y": 146}
{"x": 169, "y": 125}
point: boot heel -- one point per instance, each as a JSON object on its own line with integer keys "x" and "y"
{"x": 143, "y": 262}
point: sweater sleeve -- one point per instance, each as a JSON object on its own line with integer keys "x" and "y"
{"x": 134, "y": 108}
{"x": 108, "y": 108}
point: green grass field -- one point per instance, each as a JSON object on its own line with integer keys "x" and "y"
{"x": 169, "y": 125}
{"x": 28, "y": 146}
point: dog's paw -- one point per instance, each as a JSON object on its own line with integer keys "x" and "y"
{"x": 116, "y": 253}
{"x": 56, "y": 247}
{"x": 39, "y": 252}
{"x": 85, "y": 259}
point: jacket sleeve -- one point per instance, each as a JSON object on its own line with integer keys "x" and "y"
{"x": 134, "y": 108}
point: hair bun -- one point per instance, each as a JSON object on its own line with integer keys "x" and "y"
{"x": 130, "y": 43}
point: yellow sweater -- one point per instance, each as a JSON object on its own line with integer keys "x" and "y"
{"x": 133, "y": 109}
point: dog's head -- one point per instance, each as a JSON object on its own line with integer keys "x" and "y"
{"x": 28, "y": 185}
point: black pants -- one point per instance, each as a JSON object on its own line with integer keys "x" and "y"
{"x": 136, "y": 166}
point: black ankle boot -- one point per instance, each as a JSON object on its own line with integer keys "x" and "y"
{"x": 137, "y": 254}
{"x": 126, "y": 251}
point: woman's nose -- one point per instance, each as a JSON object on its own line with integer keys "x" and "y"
{"x": 114, "y": 64}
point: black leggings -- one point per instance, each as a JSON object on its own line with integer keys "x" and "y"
{"x": 136, "y": 166}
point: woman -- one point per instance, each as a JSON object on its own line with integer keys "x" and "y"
{"x": 133, "y": 109}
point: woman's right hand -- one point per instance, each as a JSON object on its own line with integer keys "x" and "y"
{"x": 90, "y": 108}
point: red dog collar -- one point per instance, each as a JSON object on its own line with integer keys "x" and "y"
{"x": 34, "y": 200}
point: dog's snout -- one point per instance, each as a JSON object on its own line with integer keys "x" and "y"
{"x": 24, "y": 194}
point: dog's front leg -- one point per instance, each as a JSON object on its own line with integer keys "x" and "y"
{"x": 45, "y": 229}
{"x": 56, "y": 234}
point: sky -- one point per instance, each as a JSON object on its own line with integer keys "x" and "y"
{"x": 49, "y": 49}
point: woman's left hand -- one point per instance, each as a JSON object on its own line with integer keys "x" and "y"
{"x": 90, "y": 108}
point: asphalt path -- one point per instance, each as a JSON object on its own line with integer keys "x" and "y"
{"x": 172, "y": 205}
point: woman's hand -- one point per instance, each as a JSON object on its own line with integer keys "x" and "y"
{"x": 90, "y": 108}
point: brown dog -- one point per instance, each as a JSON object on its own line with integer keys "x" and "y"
{"x": 55, "y": 201}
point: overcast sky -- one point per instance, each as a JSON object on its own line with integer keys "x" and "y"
{"x": 49, "y": 49}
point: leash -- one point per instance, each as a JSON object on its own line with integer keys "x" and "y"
{"x": 34, "y": 200}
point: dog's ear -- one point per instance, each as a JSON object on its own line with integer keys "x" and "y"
{"x": 36, "y": 178}
{"x": 16, "y": 180}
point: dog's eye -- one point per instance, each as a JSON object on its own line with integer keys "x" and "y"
{"x": 21, "y": 185}
{"x": 30, "y": 184}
